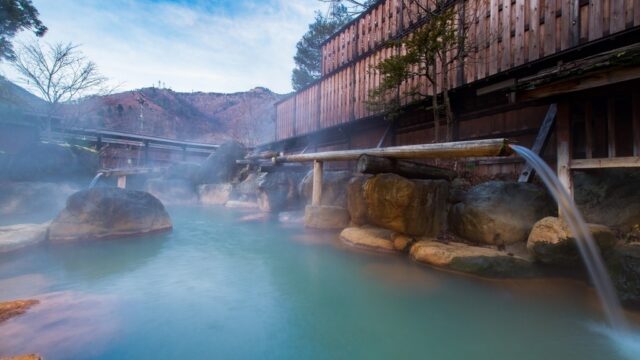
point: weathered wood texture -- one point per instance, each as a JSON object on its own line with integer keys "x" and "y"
{"x": 368, "y": 164}
{"x": 450, "y": 150}
{"x": 502, "y": 35}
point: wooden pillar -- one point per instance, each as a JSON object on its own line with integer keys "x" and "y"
{"x": 184, "y": 153}
{"x": 122, "y": 181}
{"x": 563, "y": 134}
{"x": 635, "y": 118}
{"x": 588, "y": 127}
{"x": 317, "y": 183}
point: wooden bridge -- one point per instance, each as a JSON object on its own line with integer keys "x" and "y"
{"x": 144, "y": 149}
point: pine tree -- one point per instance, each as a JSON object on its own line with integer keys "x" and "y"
{"x": 17, "y": 15}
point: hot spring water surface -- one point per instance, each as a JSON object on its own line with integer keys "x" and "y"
{"x": 219, "y": 288}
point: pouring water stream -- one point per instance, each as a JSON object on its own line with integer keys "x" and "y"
{"x": 586, "y": 244}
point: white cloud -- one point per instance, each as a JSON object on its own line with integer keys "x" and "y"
{"x": 188, "y": 47}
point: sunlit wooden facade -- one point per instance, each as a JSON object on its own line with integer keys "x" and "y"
{"x": 512, "y": 43}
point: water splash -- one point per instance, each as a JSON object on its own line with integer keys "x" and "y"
{"x": 95, "y": 180}
{"x": 586, "y": 244}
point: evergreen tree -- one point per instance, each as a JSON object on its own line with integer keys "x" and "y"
{"x": 17, "y": 15}
{"x": 308, "y": 56}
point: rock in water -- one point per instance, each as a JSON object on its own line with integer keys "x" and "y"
{"x": 277, "y": 191}
{"x": 16, "y": 236}
{"x": 498, "y": 212}
{"x": 334, "y": 187}
{"x": 214, "y": 194}
{"x": 325, "y": 217}
{"x": 413, "y": 207}
{"x": 107, "y": 212}
{"x": 375, "y": 238}
{"x": 221, "y": 167}
{"x": 551, "y": 241}
{"x": 470, "y": 259}
{"x": 624, "y": 266}
{"x": 356, "y": 203}
{"x": 9, "y": 309}
{"x": 609, "y": 196}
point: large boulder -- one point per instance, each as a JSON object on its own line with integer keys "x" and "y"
{"x": 49, "y": 161}
{"x": 20, "y": 235}
{"x": 325, "y": 217}
{"x": 469, "y": 259}
{"x": 334, "y": 187}
{"x": 107, "y": 212}
{"x": 172, "y": 191}
{"x": 221, "y": 166}
{"x": 248, "y": 188}
{"x": 375, "y": 238}
{"x": 624, "y": 266}
{"x": 609, "y": 196}
{"x": 356, "y": 203}
{"x": 552, "y": 242}
{"x": 214, "y": 194}
{"x": 412, "y": 207}
{"x": 277, "y": 191}
{"x": 9, "y": 309}
{"x": 499, "y": 212}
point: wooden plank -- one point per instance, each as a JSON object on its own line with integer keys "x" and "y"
{"x": 519, "y": 57}
{"x": 636, "y": 12}
{"x": 563, "y": 138}
{"x": 541, "y": 140}
{"x": 549, "y": 27}
{"x": 617, "y": 18}
{"x": 565, "y": 24}
{"x": 588, "y": 130}
{"x": 611, "y": 128}
{"x": 493, "y": 37}
{"x": 603, "y": 163}
{"x": 505, "y": 62}
{"x": 534, "y": 30}
{"x": 635, "y": 118}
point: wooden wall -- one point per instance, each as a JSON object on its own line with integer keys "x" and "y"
{"x": 501, "y": 34}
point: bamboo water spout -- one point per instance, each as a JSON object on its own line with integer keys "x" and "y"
{"x": 450, "y": 150}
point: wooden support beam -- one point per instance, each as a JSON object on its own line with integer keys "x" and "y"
{"x": 604, "y": 163}
{"x": 591, "y": 81}
{"x": 450, "y": 150}
{"x": 316, "y": 194}
{"x": 541, "y": 140}
{"x": 635, "y": 118}
{"x": 611, "y": 128}
{"x": 122, "y": 181}
{"x": 368, "y": 164}
{"x": 563, "y": 133}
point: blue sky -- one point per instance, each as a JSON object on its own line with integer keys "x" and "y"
{"x": 200, "y": 45}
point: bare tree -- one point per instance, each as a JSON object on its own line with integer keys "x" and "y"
{"x": 59, "y": 73}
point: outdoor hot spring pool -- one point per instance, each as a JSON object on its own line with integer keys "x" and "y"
{"x": 217, "y": 287}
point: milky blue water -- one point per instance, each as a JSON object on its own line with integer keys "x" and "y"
{"x": 217, "y": 287}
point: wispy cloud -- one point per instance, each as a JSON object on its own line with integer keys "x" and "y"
{"x": 222, "y": 46}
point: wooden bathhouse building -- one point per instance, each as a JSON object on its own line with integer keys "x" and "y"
{"x": 564, "y": 72}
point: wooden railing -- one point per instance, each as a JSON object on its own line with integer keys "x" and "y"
{"x": 500, "y": 34}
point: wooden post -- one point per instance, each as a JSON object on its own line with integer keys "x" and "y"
{"x": 563, "y": 133}
{"x": 122, "y": 181}
{"x": 635, "y": 119}
{"x": 317, "y": 183}
{"x": 146, "y": 153}
{"x": 184, "y": 153}
{"x": 540, "y": 142}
